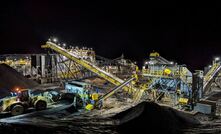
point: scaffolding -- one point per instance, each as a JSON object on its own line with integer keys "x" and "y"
{"x": 137, "y": 93}
{"x": 168, "y": 78}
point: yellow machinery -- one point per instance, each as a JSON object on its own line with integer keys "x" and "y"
{"x": 137, "y": 93}
{"x": 99, "y": 100}
{"x": 183, "y": 101}
{"x": 91, "y": 99}
{"x": 166, "y": 78}
{"x": 95, "y": 98}
{"x": 154, "y": 54}
{"x": 16, "y": 63}
{"x": 167, "y": 71}
{"x": 18, "y": 104}
{"x": 209, "y": 76}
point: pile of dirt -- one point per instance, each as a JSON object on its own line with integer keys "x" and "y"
{"x": 148, "y": 117}
{"x": 10, "y": 79}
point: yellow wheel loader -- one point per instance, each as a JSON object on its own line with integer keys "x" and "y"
{"x": 23, "y": 100}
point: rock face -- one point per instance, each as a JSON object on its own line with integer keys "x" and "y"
{"x": 10, "y": 79}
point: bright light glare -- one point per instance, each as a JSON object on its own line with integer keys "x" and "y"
{"x": 151, "y": 62}
{"x": 55, "y": 40}
{"x": 217, "y": 58}
{"x": 17, "y": 89}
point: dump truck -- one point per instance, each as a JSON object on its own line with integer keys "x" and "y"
{"x": 21, "y": 101}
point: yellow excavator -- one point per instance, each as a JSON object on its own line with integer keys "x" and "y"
{"x": 22, "y": 101}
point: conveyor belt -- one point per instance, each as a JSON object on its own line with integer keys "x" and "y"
{"x": 210, "y": 76}
{"x": 95, "y": 69}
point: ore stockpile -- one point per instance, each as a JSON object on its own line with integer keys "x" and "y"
{"x": 11, "y": 79}
{"x": 145, "y": 117}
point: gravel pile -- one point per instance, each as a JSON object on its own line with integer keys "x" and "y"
{"x": 10, "y": 79}
{"x": 148, "y": 117}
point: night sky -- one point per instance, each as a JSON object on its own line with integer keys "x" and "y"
{"x": 190, "y": 36}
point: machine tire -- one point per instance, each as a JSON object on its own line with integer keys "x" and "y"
{"x": 17, "y": 110}
{"x": 55, "y": 96}
{"x": 70, "y": 98}
{"x": 79, "y": 101}
{"x": 40, "y": 105}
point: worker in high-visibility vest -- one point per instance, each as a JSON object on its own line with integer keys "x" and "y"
{"x": 93, "y": 99}
{"x": 95, "y": 96}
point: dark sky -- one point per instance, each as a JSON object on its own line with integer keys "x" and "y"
{"x": 190, "y": 36}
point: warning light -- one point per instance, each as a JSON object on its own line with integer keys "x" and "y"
{"x": 55, "y": 40}
{"x": 17, "y": 90}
